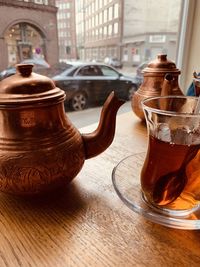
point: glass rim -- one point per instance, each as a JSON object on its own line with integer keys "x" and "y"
{"x": 166, "y": 112}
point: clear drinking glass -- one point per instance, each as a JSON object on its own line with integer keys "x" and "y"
{"x": 170, "y": 176}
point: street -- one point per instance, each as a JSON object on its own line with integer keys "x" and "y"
{"x": 91, "y": 115}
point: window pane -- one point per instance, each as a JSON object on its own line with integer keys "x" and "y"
{"x": 123, "y": 34}
{"x": 108, "y": 71}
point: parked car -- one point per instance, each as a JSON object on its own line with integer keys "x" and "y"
{"x": 57, "y": 68}
{"x": 38, "y": 62}
{"x": 114, "y": 62}
{"x": 7, "y": 72}
{"x": 86, "y": 83}
{"x": 40, "y": 66}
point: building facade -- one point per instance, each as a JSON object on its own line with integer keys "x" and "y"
{"x": 28, "y": 29}
{"x": 66, "y": 30}
{"x": 130, "y": 30}
{"x": 99, "y": 28}
{"x": 150, "y": 27}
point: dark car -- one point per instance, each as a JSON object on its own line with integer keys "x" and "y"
{"x": 86, "y": 83}
{"x": 7, "y": 72}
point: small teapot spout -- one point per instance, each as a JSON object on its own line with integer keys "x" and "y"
{"x": 97, "y": 141}
{"x": 167, "y": 85}
{"x": 170, "y": 86}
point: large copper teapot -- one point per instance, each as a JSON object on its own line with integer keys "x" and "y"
{"x": 154, "y": 85}
{"x": 40, "y": 149}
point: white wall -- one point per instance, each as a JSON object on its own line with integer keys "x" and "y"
{"x": 191, "y": 52}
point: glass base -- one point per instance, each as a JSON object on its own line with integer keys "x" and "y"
{"x": 126, "y": 181}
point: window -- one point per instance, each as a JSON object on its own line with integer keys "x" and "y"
{"x": 100, "y": 3}
{"x": 116, "y": 10}
{"x": 105, "y": 13}
{"x": 100, "y": 18}
{"x": 115, "y": 28}
{"x": 96, "y": 21}
{"x": 44, "y": 2}
{"x": 88, "y": 71}
{"x": 110, "y": 13}
{"x": 92, "y": 30}
{"x": 105, "y": 31}
{"x": 109, "y": 72}
{"x": 110, "y": 29}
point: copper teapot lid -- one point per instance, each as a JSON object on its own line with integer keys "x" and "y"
{"x": 161, "y": 64}
{"x": 27, "y": 87}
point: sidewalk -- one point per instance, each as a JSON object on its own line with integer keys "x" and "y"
{"x": 92, "y": 115}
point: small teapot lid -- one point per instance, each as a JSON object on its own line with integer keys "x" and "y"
{"x": 27, "y": 87}
{"x": 161, "y": 65}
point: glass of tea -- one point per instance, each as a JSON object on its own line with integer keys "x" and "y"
{"x": 170, "y": 176}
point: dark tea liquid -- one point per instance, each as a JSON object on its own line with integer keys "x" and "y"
{"x": 164, "y": 176}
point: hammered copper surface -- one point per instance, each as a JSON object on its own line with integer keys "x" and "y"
{"x": 154, "y": 76}
{"x": 40, "y": 150}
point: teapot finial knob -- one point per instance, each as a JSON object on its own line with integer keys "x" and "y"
{"x": 162, "y": 57}
{"x": 25, "y": 69}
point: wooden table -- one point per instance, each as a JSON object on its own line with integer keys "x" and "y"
{"x": 88, "y": 225}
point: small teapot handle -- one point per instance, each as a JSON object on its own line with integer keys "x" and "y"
{"x": 195, "y": 75}
{"x": 196, "y": 83}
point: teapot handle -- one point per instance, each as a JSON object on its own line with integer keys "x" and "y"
{"x": 195, "y": 75}
{"x": 196, "y": 83}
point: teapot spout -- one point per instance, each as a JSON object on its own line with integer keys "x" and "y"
{"x": 170, "y": 86}
{"x": 167, "y": 85}
{"x": 97, "y": 141}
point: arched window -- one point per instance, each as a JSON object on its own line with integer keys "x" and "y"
{"x": 24, "y": 41}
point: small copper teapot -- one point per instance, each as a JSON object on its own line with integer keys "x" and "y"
{"x": 154, "y": 85}
{"x": 40, "y": 150}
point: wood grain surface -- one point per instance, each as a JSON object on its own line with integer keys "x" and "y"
{"x": 87, "y": 224}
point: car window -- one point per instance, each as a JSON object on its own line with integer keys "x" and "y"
{"x": 108, "y": 71}
{"x": 89, "y": 71}
{"x": 70, "y": 71}
{"x": 144, "y": 65}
